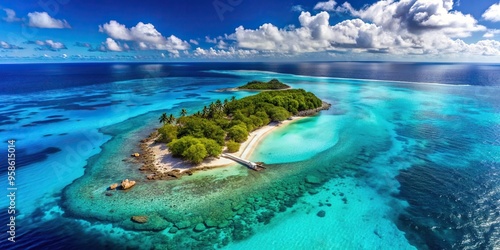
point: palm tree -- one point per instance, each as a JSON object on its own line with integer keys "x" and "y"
{"x": 171, "y": 119}
{"x": 219, "y": 108}
{"x": 205, "y": 111}
{"x": 225, "y": 107}
{"x": 218, "y": 105}
{"x": 163, "y": 118}
{"x": 183, "y": 112}
{"x": 233, "y": 98}
{"x": 211, "y": 110}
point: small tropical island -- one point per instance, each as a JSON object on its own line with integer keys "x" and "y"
{"x": 273, "y": 84}
{"x": 194, "y": 142}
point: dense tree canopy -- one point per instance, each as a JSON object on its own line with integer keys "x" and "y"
{"x": 194, "y": 149}
{"x": 238, "y": 133}
{"x": 168, "y": 132}
{"x": 195, "y": 153}
{"x": 203, "y": 134}
{"x": 272, "y": 84}
{"x": 232, "y": 146}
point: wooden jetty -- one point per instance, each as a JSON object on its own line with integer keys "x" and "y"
{"x": 252, "y": 165}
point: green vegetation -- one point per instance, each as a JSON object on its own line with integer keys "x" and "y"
{"x": 167, "y": 132}
{"x": 238, "y": 133}
{"x": 273, "y": 84}
{"x": 233, "y": 146}
{"x": 163, "y": 118}
{"x": 203, "y": 134}
{"x": 194, "y": 149}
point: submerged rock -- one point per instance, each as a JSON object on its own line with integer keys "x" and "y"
{"x": 313, "y": 191}
{"x": 210, "y": 223}
{"x": 223, "y": 224}
{"x": 183, "y": 224}
{"x": 237, "y": 206}
{"x": 151, "y": 222}
{"x": 321, "y": 213}
{"x": 140, "y": 219}
{"x": 199, "y": 227}
{"x": 126, "y": 184}
{"x": 173, "y": 230}
{"x": 311, "y": 179}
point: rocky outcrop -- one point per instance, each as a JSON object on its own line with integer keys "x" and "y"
{"x": 309, "y": 112}
{"x": 176, "y": 173}
{"x": 140, "y": 219}
{"x": 113, "y": 186}
{"x": 126, "y": 184}
{"x": 311, "y": 179}
{"x": 136, "y": 155}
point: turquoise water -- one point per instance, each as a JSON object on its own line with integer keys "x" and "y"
{"x": 363, "y": 153}
{"x": 362, "y": 223}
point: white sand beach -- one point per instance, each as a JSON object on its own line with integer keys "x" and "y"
{"x": 164, "y": 161}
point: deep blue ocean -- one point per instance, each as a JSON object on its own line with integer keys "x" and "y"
{"x": 415, "y": 149}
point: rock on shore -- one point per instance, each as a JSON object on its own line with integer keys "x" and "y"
{"x": 126, "y": 184}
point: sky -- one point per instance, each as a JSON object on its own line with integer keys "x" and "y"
{"x": 244, "y": 30}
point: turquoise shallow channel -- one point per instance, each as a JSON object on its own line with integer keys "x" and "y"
{"x": 336, "y": 180}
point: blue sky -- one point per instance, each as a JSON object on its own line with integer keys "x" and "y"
{"x": 243, "y": 30}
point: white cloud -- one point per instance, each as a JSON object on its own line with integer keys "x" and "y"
{"x": 43, "y": 20}
{"x": 194, "y": 42}
{"x": 492, "y": 13}
{"x": 5, "y": 45}
{"x": 145, "y": 36}
{"x": 407, "y": 27}
{"x": 418, "y": 17}
{"x": 112, "y": 45}
{"x": 210, "y": 40}
{"x": 49, "y": 45}
{"x": 491, "y": 33}
{"x": 326, "y": 6}
{"x": 315, "y": 34}
{"x": 222, "y": 53}
{"x": 297, "y": 8}
{"x": 11, "y": 16}
{"x": 146, "y": 33}
{"x": 116, "y": 30}
{"x": 222, "y": 45}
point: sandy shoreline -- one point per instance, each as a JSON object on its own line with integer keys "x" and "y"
{"x": 164, "y": 162}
